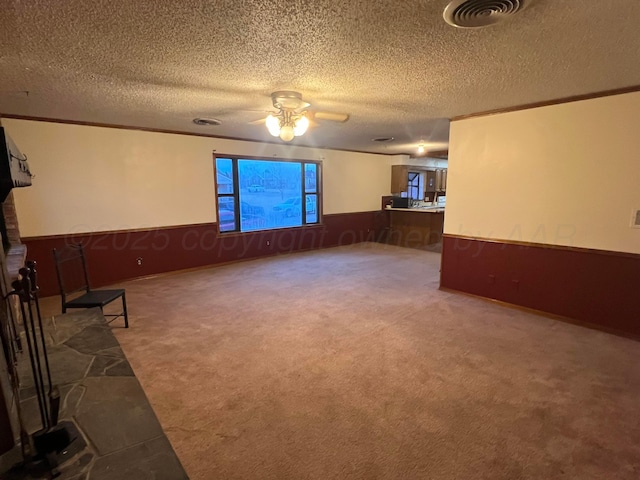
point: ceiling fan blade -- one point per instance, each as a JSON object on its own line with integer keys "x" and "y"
{"x": 260, "y": 121}
{"x": 331, "y": 116}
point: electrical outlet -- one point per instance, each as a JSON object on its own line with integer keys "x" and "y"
{"x": 139, "y": 260}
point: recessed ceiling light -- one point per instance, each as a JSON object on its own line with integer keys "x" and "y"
{"x": 207, "y": 121}
{"x": 382, "y": 139}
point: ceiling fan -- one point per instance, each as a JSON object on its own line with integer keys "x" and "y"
{"x": 291, "y": 118}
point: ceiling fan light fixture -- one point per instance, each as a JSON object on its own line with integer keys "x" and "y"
{"x": 287, "y": 125}
{"x": 273, "y": 125}
{"x": 287, "y": 133}
{"x": 300, "y": 126}
{"x": 290, "y": 119}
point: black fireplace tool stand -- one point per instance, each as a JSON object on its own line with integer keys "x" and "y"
{"x": 47, "y": 445}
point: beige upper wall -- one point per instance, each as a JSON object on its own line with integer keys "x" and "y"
{"x": 566, "y": 174}
{"x": 90, "y": 179}
{"x": 422, "y": 161}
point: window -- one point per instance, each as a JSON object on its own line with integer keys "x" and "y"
{"x": 262, "y": 194}
{"x": 416, "y": 186}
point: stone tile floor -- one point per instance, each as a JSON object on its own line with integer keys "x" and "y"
{"x": 118, "y": 434}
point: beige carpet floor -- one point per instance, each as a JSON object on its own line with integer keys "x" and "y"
{"x": 349, "y": 363}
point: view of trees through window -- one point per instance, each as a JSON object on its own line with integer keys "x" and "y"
{"x": 255, "y": 194}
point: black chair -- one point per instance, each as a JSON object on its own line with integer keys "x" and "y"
{"x": 71, "y": 267}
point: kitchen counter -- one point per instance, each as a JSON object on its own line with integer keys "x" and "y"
{"x": 410, "y": 229}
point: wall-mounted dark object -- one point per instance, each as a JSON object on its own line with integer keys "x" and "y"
{"x": 14, "y": 169}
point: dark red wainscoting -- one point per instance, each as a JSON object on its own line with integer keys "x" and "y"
{"x": 595, "y": 287}
{"x": 112, "y": 256}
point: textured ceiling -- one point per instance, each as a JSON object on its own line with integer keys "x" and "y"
{"x": 395, "y": 66}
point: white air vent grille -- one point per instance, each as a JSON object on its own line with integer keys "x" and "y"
{"x": 635, "y": 219}
{"x": 480, "y": 13}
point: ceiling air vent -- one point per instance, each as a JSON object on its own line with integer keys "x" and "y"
{"x": 207, "y": 121}
{"x": 480, "y": 13}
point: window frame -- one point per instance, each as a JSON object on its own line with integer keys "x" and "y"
{"x": 236, "y": 192}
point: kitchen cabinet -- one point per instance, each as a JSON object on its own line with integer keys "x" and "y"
{"x": 435, "y": 179}
{"x": 399, "y": 178}
{"x": 432, "y": 181}
{"x": 441, "y": 180}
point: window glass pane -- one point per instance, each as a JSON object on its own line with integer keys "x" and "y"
{"x": 312, "y": 208}
{"x": 310, "y": 177}
{"x": 224, "y": 175}
{"x": 252, "y": 217}
{"x": 226, "y": 214}
{"x": 269, "y": 194}
{"x": 416, "y": 186}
